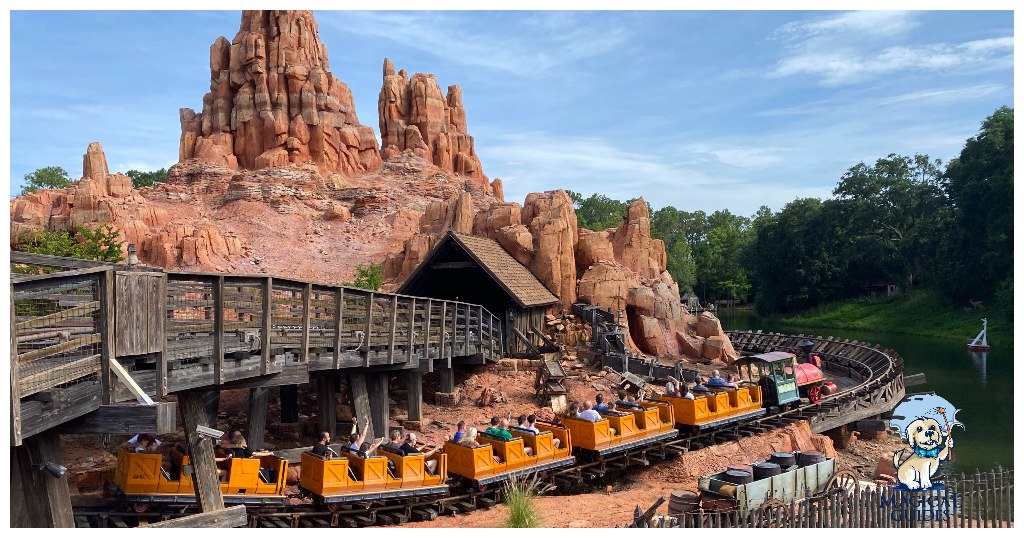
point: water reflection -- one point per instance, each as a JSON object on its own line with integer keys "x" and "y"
{"x": 980, "y": 360}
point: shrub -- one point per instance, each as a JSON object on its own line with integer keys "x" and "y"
{"x": 369, "y": 277}
{"x": 519, "y": 494}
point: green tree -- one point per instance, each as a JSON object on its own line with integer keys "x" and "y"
{"x": 667, "y": 224}
{"x": 979, "y": 184}
{"x": 101, "y": 244}
{"x": 50, "y": 177}
{"x": 597, "y": 212}
{"x": 147, "y": 179}
{"x": 368, "y": 277}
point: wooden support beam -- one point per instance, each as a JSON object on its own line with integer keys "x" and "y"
{"x": 394, "y": 326}
{"x": 211, "y": 402}
{"x": 377, "y": 387}
{"x": 37, "y": 498}
{"x": 259, "y": 397}
{"x": 426, "y": 337}
{"x": 234, "y": 516}
{"x": 15, "y": 385}
{"x": 126, "y": 379}
{"x": 326, "y": 392}
{"x": 453, "y": 265}
{"x": 414, "y": 389}
{"x": 412, "y": 329}
{"x": 361, "y": 399}
{"x": 289, "y": 404}
{"x": 339, "y": 325}
{"x": 49, "y": 319}
{"x": 914, "y": 379}
{"x": 447, "y": 380}
{"x": 218, "y": 330}
{"x": 158, "y": 418}
{"x": 369, "y": 328}
{"x": 63, "y": 347}
{"x": 204, "y": 469}
{"x": 479, "y": 329}
{"x": 307, "y": 296}
{"x": 161, "y": 358}
{"x": 268, "y": 290}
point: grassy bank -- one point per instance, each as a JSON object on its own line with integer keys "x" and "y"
{"x": 923, "y": 313}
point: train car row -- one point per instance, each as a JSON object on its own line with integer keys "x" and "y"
{"x": 349, "y": 478}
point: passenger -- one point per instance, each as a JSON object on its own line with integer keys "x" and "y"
{"x": 356, "y": 439}
{"x": 588, "y": 414}
{"x": 460, "y": 432}
{"x": 366, "y": 450}
{"x": 320, "y": 448}
{"x": 409, "y": 449}
{"x": 531, "y": 422}
{"x": 499, "y": 428}
{"x": 671, "y": 390}
{"x": 715, "y": 380}
{"x": 732, "y": 381}
{"x": 600, "y": 406}
{"x": 521, "y": 423}
{"x": 624, "y": 401}
{"x": 240, "y": 448}
{"x": 395, "y": 444}
{"x": 469, "y": 440}
{"x": 700, "y": 388}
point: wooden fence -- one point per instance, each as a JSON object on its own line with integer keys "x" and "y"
{"x": 979, "y": 500}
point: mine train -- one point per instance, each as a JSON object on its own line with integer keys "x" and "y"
{"x": 770, "y": 383}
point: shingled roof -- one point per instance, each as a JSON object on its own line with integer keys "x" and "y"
{"x": 513, "y": 277}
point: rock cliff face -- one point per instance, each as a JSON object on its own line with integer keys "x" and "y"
{"x": 416, "y": 117}
{"x": 273, "y": 101}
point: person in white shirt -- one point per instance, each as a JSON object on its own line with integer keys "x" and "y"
{"x": 588, "y": 413}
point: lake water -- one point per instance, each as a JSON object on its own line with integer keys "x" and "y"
{"x": 981, "y": 384}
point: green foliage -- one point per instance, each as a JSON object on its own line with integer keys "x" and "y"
{"x": 147, "y": 179}
{"x": 519, "y": 495}
{"x": 102, "y": 244}
{"x": 368, "y": 277}
{"x": 49, "y": 177}
{"x": 598, "y": 211}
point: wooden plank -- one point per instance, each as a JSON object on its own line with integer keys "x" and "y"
{"x": 307, "y": 295}
{"x": 33, "y": 258}
{"x": 426, "y": 336}
{"x": 15, "y": 393}
{"x": 453, "y": 265}
{"x": 58, "y": 375}
{"x": 204, "y": 469}
{"x": 38, "y": 499}
{"x": 444, "y": 334}
{"x": 411, "y": 331}
{"x": 57, "y": 349}
{"x": 55, "y": 278}
{"x": 158, "y": 418}
{"x": 155, "y": 297}
{"x": 339, "y": 324}
{"x": 127, "y": 380}
{"x": 45, "y": 321}
{"x": 914, "y": 379}
{"x": 479, "y": 329}
{"x": 268, "y": 288}
{"x": 234, "y": 516}
{"x": 218, "y": 330}
{"x": 360, "y": 399}
{"x": 394, "y": 324}
{"x": 161, "y": 358}
{"x": 259, "y": 397}
{"x": 368, "y": 329}
{"x": 377, "y": 387}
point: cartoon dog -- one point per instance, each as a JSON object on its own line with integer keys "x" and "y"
{"x": 929, "y": 448}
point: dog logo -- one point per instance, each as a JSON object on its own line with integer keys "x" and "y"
{"x": 925, "y": 422}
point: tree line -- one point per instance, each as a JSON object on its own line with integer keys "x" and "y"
{"x": 905, "y": 221}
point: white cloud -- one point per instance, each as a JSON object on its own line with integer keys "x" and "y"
{"x": 538, "y": 43}
{"x": 864, "y": 45}
{"x": 952, "y": 95}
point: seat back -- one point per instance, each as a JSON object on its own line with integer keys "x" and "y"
{"x": 442, "y": 470}
{"x": 138, "y": 472}
{"x": 624, "y": 425}
{"x": 562, "y": 434}
{"x": 690, "y": 412}
{"x": 372, "y": 472}
{"x": 589, "y": 435}
{"x": 471, "y": 463}
{"x": 408, "y": 469}
{"x": 324, "y": 477}
{"x": 243, "y": 476}
{"x": 512, "y": 453}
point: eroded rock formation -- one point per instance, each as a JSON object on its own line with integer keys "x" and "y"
{"x": 273, "y": 101}
{"x": 416, "y": 117}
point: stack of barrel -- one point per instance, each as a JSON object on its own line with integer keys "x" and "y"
{"x": 778, "y": 463}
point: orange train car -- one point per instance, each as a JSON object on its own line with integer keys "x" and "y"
{"x": 141, "y": 478}
{"x": 350, "y": 477}
{"x": 721, "y": 406}
{"x": 496, "y": 460}
{"x": 623, "y": 429}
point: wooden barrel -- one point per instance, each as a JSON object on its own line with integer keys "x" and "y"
{"x": 683, "y": 501}
{"x": 784, "y": 459}
{"x": 738, "y": 477}
{"x": 764, "y": 470}
{"x": 809, "y": 457}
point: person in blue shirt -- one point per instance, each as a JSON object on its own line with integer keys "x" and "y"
{"x": 715, "y": 380}
{"x": 600, "y": 406}
{"x": 459, "y": 432}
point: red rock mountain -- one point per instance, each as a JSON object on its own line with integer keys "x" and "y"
{"x": 277, "y": 176}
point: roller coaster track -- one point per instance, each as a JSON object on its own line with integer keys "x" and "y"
{"x": 878, "y": 373}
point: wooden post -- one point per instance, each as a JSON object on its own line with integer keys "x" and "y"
{"x": 37, "y": 498}
{"x": 414, "y": 388}
{"x": 377, "y": 387}
{"x": 447, "y": 379}
{"x": 360, "y": 399}
{"x": 339, "y": 323}
{"x": 16, "y": 376}
{"x": 268, "y": 290}
{"x": 426, "y": 337}
{"x": 327, "y": 416}
{"x": 107, "y": 328}
{"x": 369, "y": 327}
{"x": 289, "y": 404}
{"x": 258, "y": 399}
{"x": 444, "y": 335}
{"x": 161, "y": 358}
{"x": 307, "y": 295}
{"x": 218, "y": 330}
{"x": 211, "y": 402}
{"x": 204, "y": 469}
{"x": 480, "y": 330}
{"x": 411, "y": 328}
{"x": 394, "y": 322}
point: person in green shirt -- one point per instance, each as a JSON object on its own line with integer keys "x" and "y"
{"x": 499, "y": 429}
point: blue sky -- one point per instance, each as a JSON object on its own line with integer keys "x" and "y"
{"x": 696, "y": 109}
